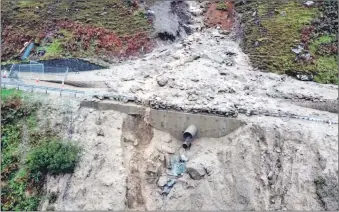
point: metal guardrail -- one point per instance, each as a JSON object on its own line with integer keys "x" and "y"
{"x": 43, "y": 89}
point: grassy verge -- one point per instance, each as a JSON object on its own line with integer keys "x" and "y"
{"x": 29, "y": 153}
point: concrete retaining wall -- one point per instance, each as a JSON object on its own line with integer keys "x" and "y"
{"x": 174, "y": 122}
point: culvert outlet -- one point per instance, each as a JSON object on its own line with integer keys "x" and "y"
{"x": 189, "y": 135}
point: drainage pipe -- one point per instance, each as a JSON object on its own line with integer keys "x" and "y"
{"x": 189, "y": 134}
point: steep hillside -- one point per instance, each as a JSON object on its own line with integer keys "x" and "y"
{"x": 292, "y": 37}
{"x": 63, "y": 28}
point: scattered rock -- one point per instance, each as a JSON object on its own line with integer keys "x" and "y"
{"x": 183, "y": 158}
{"x": 213, "y": 56}
{"x": 192, "y": 97}
{"x": 135, "y": 88}
{"x": 195, "y": 79}
{"x": 226, "y": 90}
{"x": 309, "y": 3}
{"x": 100, "y": 132}
{"x": 167, "y": 138}
{"x": 305, "y": 77}
{"x": 195, "y": 170}
{"x": 298, "y": 49}
{"x": 165, "y": 149}
{"x": 229, "y": 53}
{"x": 162, "y": 181}
{"x": 129, "y": 78}
{"x": 270, "y": 175}
{"x": 223, "y": 71}
{"x": 162, "y": 81}
{"x": 91, "y": 110}
{"x": 224, "y": 32}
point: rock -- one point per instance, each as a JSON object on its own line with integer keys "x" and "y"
{"x": 91, "y": 110}
{"x": 183, "y": 158}
{"x": 229, "y": 53}
{"x": 135, "y": 88}
{"x": 194, "y": 79}
{"x": 270, "y": 175}
{"x": 100, "y": 132}
{"x": 167, "y": 161}
{"x": 165, "y": 149}
{"x": 226, "y": 90}
{"x": 195, "y": 170}
{"x": 193, "y": 97}
{"x": 162, "y": 181}
{"x": 129, "y": 78}
{"x": 305, "y": 77}
{"x": 213, "y": 56}
{"x": 283, "y": 13}
{"x": 309, "y": 3}
{"x": 223, "y": 72}
{"x": 166, "y": 138}
{"x": 298, "y": 49}
{"x": 162, "y": 81}
{"x": 224, "y": 32}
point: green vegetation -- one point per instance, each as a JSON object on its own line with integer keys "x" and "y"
{"x": 222, "y": 6}
{"x": 54, "y": 50}
{"x": 10, "y": 93}
{"x": 24, "y": 165}
{"x": 37, "y": 19}
{"x": 276, "y": 29}
{"x": 53, "y": 157}
{"x": 327, "y": 67}
{"x": 115, "y": 14}
{"x": 325, "y": 39}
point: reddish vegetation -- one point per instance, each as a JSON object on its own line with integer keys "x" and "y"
{"x": 306, "y": 34}
{"x": 103, "y": 39}
{"x": 84, "y": 37}
{"x": 215, "y": 17}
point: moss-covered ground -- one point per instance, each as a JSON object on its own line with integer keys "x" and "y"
{"x": 273, "y": 28}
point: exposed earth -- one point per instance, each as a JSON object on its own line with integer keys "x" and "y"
{"x": 283, "y": 157}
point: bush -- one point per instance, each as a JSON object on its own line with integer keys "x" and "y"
{"x": 53, "y": 157}
{"x": 222, "y": 6}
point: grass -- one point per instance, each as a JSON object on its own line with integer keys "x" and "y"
{"x": 53, "y": 50}
{"x": 222, "y": 6}
{"x": 327, "y": 67}
{"x": 279, "y": 29}
{"x": 23, "y": 175}
{"x": 325, "y": 39}
{"x": 10, "y": 93}
{"x": 32, "y": 18}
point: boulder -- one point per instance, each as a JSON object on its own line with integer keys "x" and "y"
{"x": 162, "y": 181}
{"x": 213, "y": 56}
{"x": 162, "y": 81}
{"x": 195, "y": 170}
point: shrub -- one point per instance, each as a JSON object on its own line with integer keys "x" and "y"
{"x": 222, "y": 6}
{"x": 53, "y": 157}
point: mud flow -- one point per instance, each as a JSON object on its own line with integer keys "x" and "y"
{"x": 135, "y": 161}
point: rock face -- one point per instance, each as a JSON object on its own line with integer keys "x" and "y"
{"x": 171, "y": 20}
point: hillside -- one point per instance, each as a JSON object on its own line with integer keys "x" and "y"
{"x": 74, "y": 28}
{"x": 293, "y": 38}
